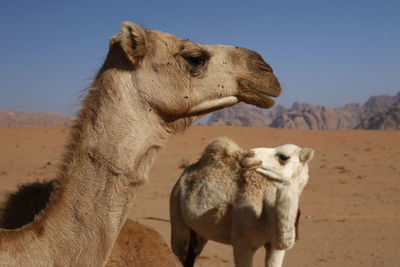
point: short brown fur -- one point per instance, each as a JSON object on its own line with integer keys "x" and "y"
{"x": 126, "y": 118}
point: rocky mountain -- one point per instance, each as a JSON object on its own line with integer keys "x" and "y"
{"x": 16, "y": 118}
{"x": 240, "y": 115}
{"x": 385, "y": 120}
{"x": 305, "y": 116}
{"x": 378, "y": 111}
{"x": 378, "y": 104}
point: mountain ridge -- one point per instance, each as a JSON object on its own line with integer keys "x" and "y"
{"x": 378, "y": 112}
{"x": 17, "y": 118}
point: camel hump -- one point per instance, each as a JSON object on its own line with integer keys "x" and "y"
{"x": 222, "y": 147}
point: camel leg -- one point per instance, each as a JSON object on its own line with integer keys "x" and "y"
{"x": 287, "y": 215}
{"x": 180, "y": 238}
{"x": 273, "y": 257}
{"x": 185, "y": 243}
{"x": 296, "y": 224}
{"x": 196, "y": 245}
{"x": 243, "y": 255}
{"x": 180, "y": 232}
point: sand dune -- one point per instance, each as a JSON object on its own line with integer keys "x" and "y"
{"x": 350, "y": 208}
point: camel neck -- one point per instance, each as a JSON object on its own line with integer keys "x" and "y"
{"x": 112, "y": 147}
{"x": 116, "y": 149}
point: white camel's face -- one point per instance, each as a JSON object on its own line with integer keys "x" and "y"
{"x": 286, "y": 164}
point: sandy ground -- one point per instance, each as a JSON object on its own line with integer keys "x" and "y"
{"x": 350, "y": 208}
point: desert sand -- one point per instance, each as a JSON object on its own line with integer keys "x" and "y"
{"x": 350, "y": 207}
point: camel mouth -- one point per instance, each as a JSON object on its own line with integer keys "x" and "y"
{"x": 271, "y": 175}
{"x": 258, "y": 94}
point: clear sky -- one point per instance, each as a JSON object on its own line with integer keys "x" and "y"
{"x": 329, "y": 52}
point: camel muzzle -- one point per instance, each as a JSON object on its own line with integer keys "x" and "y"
{"x": 258, "y": 84}
{"x": 253, "y": 92}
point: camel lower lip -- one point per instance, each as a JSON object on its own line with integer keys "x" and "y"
{"x": 272, "y": 102}
{"x": 265, "y": 93}
{"x": 263, "y": 101}
{"x": 258, "y": 88}
{"x": 256, "y": 94}
{"x": 209, "y": 106}
{"x": 271, "y": 175}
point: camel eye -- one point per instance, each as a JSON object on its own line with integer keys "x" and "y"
{"x": 196, "y": 58}
{"x": 282, "y": 157}
{"x": 195, "y": 61}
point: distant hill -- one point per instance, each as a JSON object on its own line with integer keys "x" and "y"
{"x": 379, "y": 112}
{"x": 239, "y": 115}
{"x": 385, "y": 120}
{"x": 16, "y": 118}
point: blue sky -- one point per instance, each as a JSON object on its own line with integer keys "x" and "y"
{"x": 323, "y": 52}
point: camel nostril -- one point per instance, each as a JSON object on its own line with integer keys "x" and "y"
{"x": 264, "y": 67}
{"x": 260, "y": 66}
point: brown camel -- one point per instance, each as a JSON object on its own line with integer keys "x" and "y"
{"x": 152, "y": 84}
{"x": 139, "y": 245}
{"x": 136, "y": 245}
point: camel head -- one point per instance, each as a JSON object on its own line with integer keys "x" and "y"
{"x": 287, "y": 164}
{"x": 177, "y": 78}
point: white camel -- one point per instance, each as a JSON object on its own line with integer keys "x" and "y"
{"x": 244, "y": 199}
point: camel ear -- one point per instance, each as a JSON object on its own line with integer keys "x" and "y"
{"x": 132, "y": 40}
{"x": 306, "y": 154}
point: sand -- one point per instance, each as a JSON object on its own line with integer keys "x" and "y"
{"x": 350, "y": 208}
